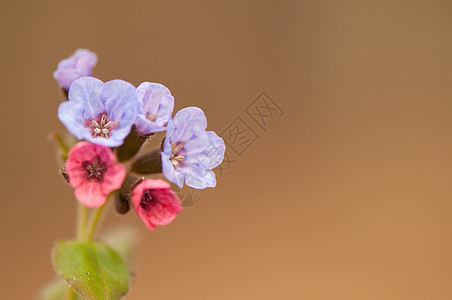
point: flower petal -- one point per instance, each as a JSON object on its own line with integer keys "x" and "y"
{"x": 208, "y": 154}
{"x": 198, "y": 177}
{"x": 170, "y": 172}
{"x": 144, "y": 217}
{"x": 119, "y": 96}
{"x": 79, "y": 64}
{"x": 187, "y": 122}
{"x": 90, "y": 194}
{"x": 156, "y": 100}
{"x": 113, "y": 178}
{"x": 71, "y": 115}
{"x": 87, "y": 90}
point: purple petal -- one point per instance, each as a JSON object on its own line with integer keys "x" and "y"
{"x": 187, "y": 123}
{"x": 206, "y": 150}
{"x": 198, "y": 177}
{"x": 118, "y": 96}
{"x": 80, "y": 64}
{"x": 87, "y": 90}
{"x": 156, "y": 100}
{"x": 71, "y": 115}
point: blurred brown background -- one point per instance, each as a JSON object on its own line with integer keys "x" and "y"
{"x": 347, "y": 195}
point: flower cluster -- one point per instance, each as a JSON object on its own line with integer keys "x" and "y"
{"x": 112, "y": 120}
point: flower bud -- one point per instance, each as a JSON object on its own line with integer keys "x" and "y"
{"x": 149, "y": 163}
{"x": 122, "y": 198}
{"x": 132, "y": 144}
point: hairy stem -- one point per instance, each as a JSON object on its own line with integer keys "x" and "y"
{"x": 94, "y": 221}
{"x": 81, "y": 223}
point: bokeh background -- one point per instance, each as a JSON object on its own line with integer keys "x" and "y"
{"x": 346, "y": 195}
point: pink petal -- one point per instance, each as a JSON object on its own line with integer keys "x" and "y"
{"x": 77, "y": 174}
{"x": 113, "y": 178}
{"x": 81, "y": 152}
{"x": 144, "y": 217}
{"x": 106, "y": 155}
{"x": 90, "y": 194}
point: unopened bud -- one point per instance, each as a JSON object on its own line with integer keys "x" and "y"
{"x": 149, "y": 163}
{"x": 122, "y": 198}
{"x": 132, "y": 144}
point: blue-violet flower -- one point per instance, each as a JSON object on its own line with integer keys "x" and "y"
{"x": 156, "y": 108}
{"x": 102, "y": 113}
{"x": 189, "y": 152}
{"x": 80, "y": 64}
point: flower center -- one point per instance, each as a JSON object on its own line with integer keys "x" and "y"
{"x": 174, "y": 158}
{"x": 101, "y": 128}
{"x": 151, "y": 118}
{"x": 149, "y": 198}
{"x": 95, "y": 169}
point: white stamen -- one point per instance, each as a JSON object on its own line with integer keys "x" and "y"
{"x": 174, "y": 158}
{"x": 102, "y": 129}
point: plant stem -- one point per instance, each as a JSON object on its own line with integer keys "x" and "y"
{"x": 81, "y": 224}
{"x": 94, "y": 221}
{"x": 70, "y": 294}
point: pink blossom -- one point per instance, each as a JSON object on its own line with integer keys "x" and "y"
{"x": 93, "y": 173}
{"x": 155, "y": 203}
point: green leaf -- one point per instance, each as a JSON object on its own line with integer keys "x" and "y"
{"x": 58, "y": 289}
{"x": 93, "y": 269}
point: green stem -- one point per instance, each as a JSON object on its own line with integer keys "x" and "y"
{"x": 81, "y": 224}
{"x": 94, "y": 221}
{"x": 70, "y": 294}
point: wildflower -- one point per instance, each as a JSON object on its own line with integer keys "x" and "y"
{"x": 80, "y": 64}
{"x": 155, "y": 203}
{"x": 93, "y": 173}
{"x": 102, "y": 113}
{"x": 156, "y": 108}
{"x": 189, "y": 152}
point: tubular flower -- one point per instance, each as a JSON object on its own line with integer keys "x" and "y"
{"x": 102, "y": 113}
{"x": 80, "y": 64}
{"x": 189, "y": 152}
{"x": 155, "y": 203}
{"x": 93, "y": 173}
{"x": 156, "y": 107}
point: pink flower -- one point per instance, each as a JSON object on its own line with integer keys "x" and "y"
{"x": 93, "y": 173}
{"x": 155, "y": 203}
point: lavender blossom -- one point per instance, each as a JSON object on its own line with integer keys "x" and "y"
{"x": 156, "y": 108}
{"x": 101, "y": 113}
{"x": 80, "y": 64}
{"x": 189, "y": 152}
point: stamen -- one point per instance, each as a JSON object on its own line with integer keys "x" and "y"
{"x": 151, "y": 118}
{"x": 148, "y": 199}
{"x": 96, "y": 132}
{"x": 95, "y": 169}
{"x": 101, "y": 128}
{"x": 102, "y": 121}
{"x": 174, "y": 158}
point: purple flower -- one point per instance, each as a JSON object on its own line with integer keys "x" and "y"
{"x": 102, "y": 113}
{"x": 80, "y": 64}
{"x": 156, "y": 108}
{"x": 189, "y": 152}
